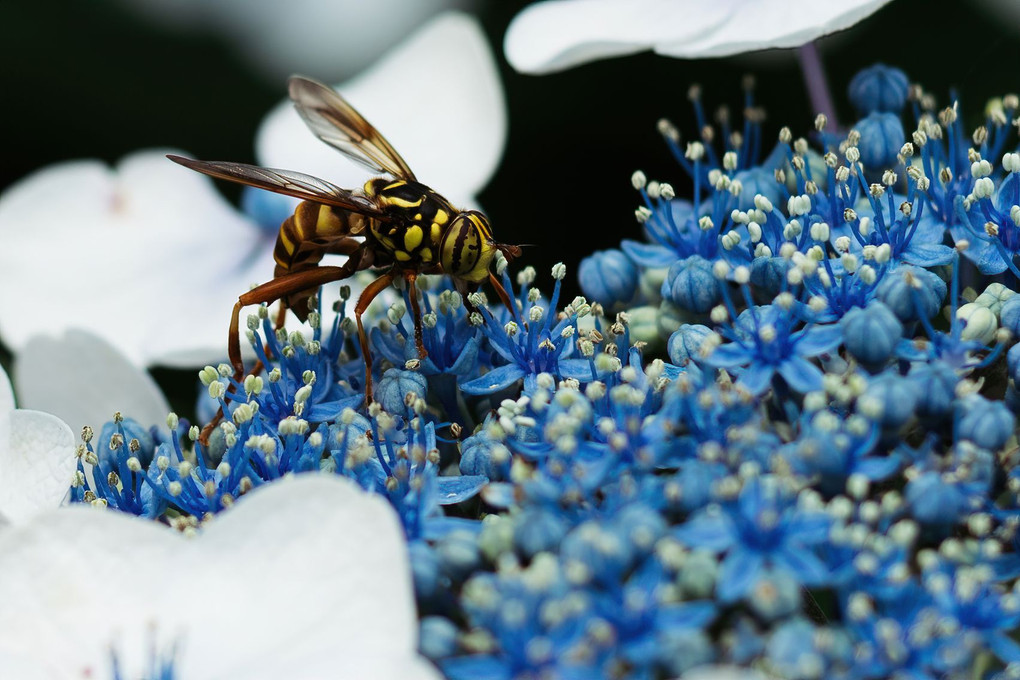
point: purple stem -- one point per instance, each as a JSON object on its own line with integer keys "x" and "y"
{"x": 817, "y": 86}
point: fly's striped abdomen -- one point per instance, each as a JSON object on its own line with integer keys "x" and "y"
{"x": 305, "y": 236}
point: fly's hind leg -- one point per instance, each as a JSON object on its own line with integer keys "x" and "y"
{"x": 277, "y": 289}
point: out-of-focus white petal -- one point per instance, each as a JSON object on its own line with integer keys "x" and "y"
{"x": 558, "y": 34}
{"x": 437, "y": 98}
{"x": 552, "y": 36}
{"x": 37, "y": 464}
{"x": 767, "y": 24}
{"x": 84, "y": 380}
{"x": 6, "y": 393}
{"x": 247, "y": 597}
{"x": 147, "y": 256}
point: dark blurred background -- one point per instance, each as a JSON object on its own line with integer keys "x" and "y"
{"x": 101, "y": 79}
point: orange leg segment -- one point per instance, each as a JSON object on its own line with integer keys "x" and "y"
{"x": 412, "y": 291}
{"x": 501, "y": 292}
{"x": 367, "y": 295}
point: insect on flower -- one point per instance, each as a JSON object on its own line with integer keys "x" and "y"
{"x": 395, "y": 224}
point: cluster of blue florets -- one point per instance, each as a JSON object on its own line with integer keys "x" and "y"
{"x": 780, "y": 433}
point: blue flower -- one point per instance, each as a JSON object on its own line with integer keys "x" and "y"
{"x": 534, "y": 343}
{"x": 990, "y": 221}
{"x": 764, "y": 343}
{"x": 761, "y": 531}
{"x": 832, "y": 449}
{"x": 451, "y": 340}
{"x": 514, "y": 607}
{"x": 979, "y": 606}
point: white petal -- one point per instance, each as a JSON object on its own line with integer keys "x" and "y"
{"x": 767, "y": 24}
{"x": 438, "y": 100}
{"x": 143, "y": 256}
{"x": 556, "y": 35}
{"x": 307, "y": 573}
{"x": 37, "y": 463}
{"x": 723, "y": 673}
{"x": 6, "y": 393}
{"x": 84, "y": 380}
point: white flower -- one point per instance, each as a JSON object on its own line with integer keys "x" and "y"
{"x": 36, "y": 460}
{"x": 150, "y": 257}
{"x": 63, "y": 384}
{"x": 305, "y": 578}
{"x": 83, "y": 380}
{"x": 147, "y": 256}
{"x": 558, "y": 34}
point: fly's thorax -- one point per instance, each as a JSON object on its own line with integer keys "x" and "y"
{"x": 418, "y": 216}
{"x": 467, "y": 247}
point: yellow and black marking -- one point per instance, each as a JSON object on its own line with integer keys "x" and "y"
{"x": 304, "y": 235}
{"x": 418, "y": 219}
{"x": 467, "y": 247}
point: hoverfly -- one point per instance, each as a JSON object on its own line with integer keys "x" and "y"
{"x": 393, "y": 223}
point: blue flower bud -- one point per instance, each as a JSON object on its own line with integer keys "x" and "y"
{"x": 437, "y": 637}
{"x": 394, "y": 387}
{"x": 691, "y": 285}
{"x": 989, "y": 424}
{"x": 1013, "y": 362}
{"x": 267, "y": 209}
{"x": 608, "y": 277}
{"x": 1012, "y": 398}
{"x": 681, "y": 649}
{"x": 1010, "y": 315}
{"x": 784, "y": 596}
{"x": 538, "y": 530}
{"x": 889, "y": 400}
{"x": 482, "y": 455}
{"x": 879, "y": 88}
{"x": 768, "y": 274}
{"x": 458, "y": 555}
{"x": 936, "y": 387}
{"x": 684, "y": 344}
{"x": 754, "y": 181}
{"x": 870, "y": 334}
{"x": 424, "y": 569}
{"x": 933, "y": 501}
{"x": 882, "y": 137}
{"x": 895, "y": 292}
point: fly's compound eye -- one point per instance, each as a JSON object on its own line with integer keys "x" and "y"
{"x": 467, "y": 247}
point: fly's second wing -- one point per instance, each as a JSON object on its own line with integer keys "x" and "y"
{"x": 337, "y": 123}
